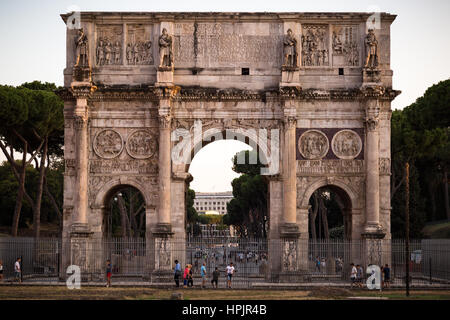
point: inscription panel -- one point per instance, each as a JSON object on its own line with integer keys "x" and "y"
{"x": 225, "y": 44}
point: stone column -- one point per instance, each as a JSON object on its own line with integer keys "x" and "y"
{"x": 80, "y": 233}
{"x": 164, "y": 171}
{"x": 80, "y": 122}
{"x": 289, "y": 221}
{"x": 372, "y": 169}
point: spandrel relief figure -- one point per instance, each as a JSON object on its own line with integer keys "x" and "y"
{"x": 82, "y": 49}
{"x": 372, "y": 50}
{"x": 290, "y": 50}
{"x": 165, "y": 50}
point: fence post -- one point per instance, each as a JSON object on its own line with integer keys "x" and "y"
{"x": 431, "y": 280}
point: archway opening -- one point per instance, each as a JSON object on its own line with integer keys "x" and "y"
{"x": 329, "y": 214}
{"x": 124, "y": 214}
{"x": 330, "y": 224}
{"x": 230, "y": 194}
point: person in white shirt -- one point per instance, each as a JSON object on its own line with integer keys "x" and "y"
{"x": 353, "y": 274}
{"x": 230, "y": 272}
{"x": 18, "y": 270}
{"x": 1, "y": 270}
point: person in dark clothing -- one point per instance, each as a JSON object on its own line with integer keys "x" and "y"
{"x": 215, "y": 278}
{"x": 387, "y": 275}
{"x": 177, "y": 274}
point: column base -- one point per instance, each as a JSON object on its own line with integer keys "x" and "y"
{"x": 289, "y": 231}
{"x": 162, "y": 230}
{"x": 374, "y": 231}
{"x": 80, "y": 230}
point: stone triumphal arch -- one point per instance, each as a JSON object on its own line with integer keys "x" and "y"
{"x": 144, "y": 91}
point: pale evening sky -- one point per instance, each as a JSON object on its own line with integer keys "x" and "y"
{"x": 33, "y": 48}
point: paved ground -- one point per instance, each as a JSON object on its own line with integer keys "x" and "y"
{"x": 60, "y": 292}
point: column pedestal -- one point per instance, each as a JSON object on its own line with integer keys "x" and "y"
{"x": 164, "y": 77}
{"x": 290, "y": 77}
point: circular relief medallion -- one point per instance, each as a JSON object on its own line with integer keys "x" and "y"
{"x": 108, "y": 144}
{"x": 346, "y": 144}
{"x": 141, "y": 144}
{"x": 313, "y": 144}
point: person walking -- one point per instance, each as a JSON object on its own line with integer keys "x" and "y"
{"x": 18, "y": 270}
{"x": 318, "y": 264}
{"x": 185, "y": 275}
{"x": 359, "y": 275}
{"x": 177, "y": 273}
{"x": 353, "y": 273}
{"x": 230, "y": 272}
{"x": 215, "y": 278}
{"x": 203, "y": 274}
{"x": 190, "y": 282}
{"x": 108, "y": 273}
{"x": 323, "y": 265}
{"x": 387, "y": 275}
{"x": 1, "y": 270}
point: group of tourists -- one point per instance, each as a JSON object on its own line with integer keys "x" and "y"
{"x": 188, "y": 280}
{"x": 357, "y": 276}
{"x": 17, "y": 270}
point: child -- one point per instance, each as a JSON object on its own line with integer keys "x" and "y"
{"x": 108, "y": 273}
{"x": 190, "y": 278}
{"x": 185, "y": 275}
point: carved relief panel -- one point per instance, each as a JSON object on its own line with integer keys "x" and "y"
{"x": 108, "y": 144}
{"x": 313, "y": 144}
{"x": 346, "y": 144}
{"x": 109, "y": 45}
{"x": 315, "y": 45}
{"x": 345, "y": 45}
{"x": 139, "y": 49}
{"x": 141, "y": 144}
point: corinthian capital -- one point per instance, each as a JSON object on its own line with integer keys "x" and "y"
{"x": 372, "y": 123}
{"x": 290, "y": 122}
{"x": 165, "y": 121}
{"x": 79, "y": 122}
{"x": 372, "y": 117}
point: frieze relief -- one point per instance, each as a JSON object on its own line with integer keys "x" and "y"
{"x": 313, "y": 144}
{"x": 346, "y": 144}
{"x": 314, "y": 40}
{"x": 345, "y": 45}
{"x": 321, "y": 167}
{"x": 108, "y": 144}
{"x": 109, "y": 45}
{"x": 125, "y": 166}
{"x": 142, "y": 144}
{"x": 139, "y": 49}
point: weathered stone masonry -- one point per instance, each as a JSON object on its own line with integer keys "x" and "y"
{"x": 322, "y": 79}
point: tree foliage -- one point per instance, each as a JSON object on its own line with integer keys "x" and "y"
{"x": 420, "y": 135}
{"x": 31, "y": 123}
{"x": 247, "y": 211}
